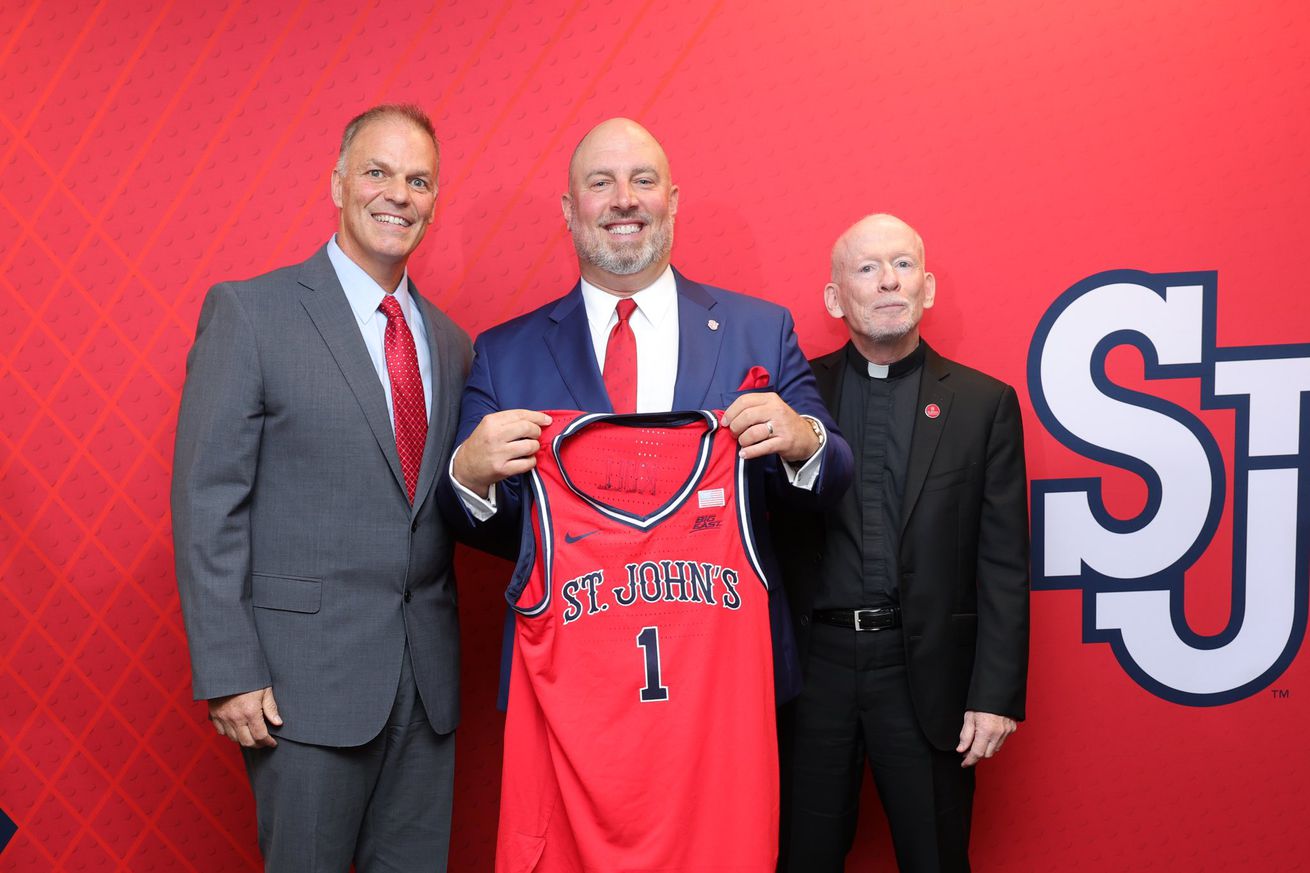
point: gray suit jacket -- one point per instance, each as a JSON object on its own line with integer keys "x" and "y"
{"x": 300, "y": 562}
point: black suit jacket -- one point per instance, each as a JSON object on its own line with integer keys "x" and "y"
{"x": 963, "y": 547}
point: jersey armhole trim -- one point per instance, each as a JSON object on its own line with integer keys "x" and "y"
{"x": 539, "y": 508}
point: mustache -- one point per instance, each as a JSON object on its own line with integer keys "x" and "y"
{"x": 644, "y": 217}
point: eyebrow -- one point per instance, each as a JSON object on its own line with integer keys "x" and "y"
{"x": 383, "y": 165}
{"x": 636, "y": 171}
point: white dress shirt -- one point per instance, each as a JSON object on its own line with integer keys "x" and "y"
{"x": 655, "y": 326}
{"x": 365, "y": 296}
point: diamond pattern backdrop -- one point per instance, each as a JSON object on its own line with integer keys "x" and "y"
{"x": 149, "y": 149}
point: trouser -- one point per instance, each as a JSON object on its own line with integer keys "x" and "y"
{"x": 384, "y": 806}
{"x": 856, "y": 704}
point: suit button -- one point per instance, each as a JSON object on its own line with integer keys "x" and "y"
{"x": 413, "y": 526}
{"x": 805, "y": 620}
{"x": 407, "y": 595}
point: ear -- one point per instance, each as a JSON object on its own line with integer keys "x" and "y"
{"x": 830, "y": 300}
{"x": 336, "y": 187}
{"x": 673, "y": 200}
{"x": 929, "y": 290}
{"x": 566, "y": 204}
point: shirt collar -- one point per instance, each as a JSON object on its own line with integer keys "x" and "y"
{"x": 895, "y": 370}
{"x": 655, "y": 301}
{"x": 364, "y": 294}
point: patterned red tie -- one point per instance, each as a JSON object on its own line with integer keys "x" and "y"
{"x": 408, "y": 410}
{"x": 621, "y": 361}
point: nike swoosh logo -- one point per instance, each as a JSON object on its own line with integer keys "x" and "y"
{"x": 570, "y": 538}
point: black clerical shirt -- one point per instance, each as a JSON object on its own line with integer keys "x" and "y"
{"x": 875, "y": 410}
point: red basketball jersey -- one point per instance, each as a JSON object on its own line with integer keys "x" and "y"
{"x": 640, "y": 731}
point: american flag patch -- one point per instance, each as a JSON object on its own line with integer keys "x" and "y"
{"x": 709, "y": 497}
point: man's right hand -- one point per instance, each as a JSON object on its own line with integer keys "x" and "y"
{"x": 503, "y": 444}
{"x": 244, "y": 718}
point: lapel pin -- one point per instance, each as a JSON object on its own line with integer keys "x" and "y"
{"x": 712, "y": 324}
{"x": 932, "y": 410}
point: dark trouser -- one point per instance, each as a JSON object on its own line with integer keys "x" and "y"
{"x": 856, "y": 703}
{"x": 385, "y": 805}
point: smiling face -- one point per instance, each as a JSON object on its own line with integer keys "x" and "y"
{"x": 620, "y": 207}
{"x": 879, "y": 287}
{"x": 386, "y": 189}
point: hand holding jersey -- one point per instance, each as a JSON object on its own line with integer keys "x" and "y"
{"x": 765, "y": 425}
{"x": 502, "y": 445}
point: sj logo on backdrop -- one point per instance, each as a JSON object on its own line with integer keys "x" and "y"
{"x": 1133, "y": 571}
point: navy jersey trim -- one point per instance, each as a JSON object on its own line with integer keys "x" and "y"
{"x": 540, "y": 509}
{"x": 744, "y": 526}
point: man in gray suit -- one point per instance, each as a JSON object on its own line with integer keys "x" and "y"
{"x": 313, "y": 566}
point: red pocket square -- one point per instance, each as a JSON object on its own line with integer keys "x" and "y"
{"x": 756, "y": 377}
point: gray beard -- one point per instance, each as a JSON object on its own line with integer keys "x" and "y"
{"x": 595, "y": 252}
{"x": 888, "y": 334}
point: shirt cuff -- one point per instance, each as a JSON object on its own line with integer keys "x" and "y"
{"x": 481, "y": 508}
{"x": 805, "y": 475}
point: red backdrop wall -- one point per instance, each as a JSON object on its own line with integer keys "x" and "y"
{"x": 150, "y": 149}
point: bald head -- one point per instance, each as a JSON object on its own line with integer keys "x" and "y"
{"x": 879, "y": 286}
{"x": 609, "y": 137}
{"x": 620, "y": 206}
{"x": 878, "y": 224}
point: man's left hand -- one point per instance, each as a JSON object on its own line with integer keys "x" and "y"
{"x": 764, "y": 425}
{"x": 983, "y": 735}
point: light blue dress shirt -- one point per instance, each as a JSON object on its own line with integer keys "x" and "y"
{"x": 365, "y": 296}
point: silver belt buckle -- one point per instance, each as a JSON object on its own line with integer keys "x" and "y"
{"x": 869, "y": 612}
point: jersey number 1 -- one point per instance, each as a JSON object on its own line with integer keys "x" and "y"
{"x": 649, "y": 642}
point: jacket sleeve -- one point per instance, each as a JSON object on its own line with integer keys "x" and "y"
{"x": 1000, "y": 672}
{"x": 498, "y": 535}
{"x": 215, "y": 458}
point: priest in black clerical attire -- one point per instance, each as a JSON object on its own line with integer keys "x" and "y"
{"x": 910, "y": 598}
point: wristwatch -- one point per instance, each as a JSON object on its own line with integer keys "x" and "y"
{"x": 818, "y": 430}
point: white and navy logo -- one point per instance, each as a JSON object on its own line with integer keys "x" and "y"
{"x": 1133, "y": 571}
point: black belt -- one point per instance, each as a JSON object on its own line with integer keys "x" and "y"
{"x": 885, "y": 618}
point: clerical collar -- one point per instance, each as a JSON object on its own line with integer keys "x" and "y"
{"x": 895, "y": 370}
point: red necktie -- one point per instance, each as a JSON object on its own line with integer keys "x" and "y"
{"x": 408, "y": 410}
{"x": 621, "y": 361}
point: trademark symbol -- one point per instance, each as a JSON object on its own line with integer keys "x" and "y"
{"x": 1280, "y": 693}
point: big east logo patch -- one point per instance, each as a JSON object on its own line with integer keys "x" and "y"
{"x": 1133, "y": 571}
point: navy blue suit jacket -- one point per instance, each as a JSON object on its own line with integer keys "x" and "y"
{"x": 545, "y": 360}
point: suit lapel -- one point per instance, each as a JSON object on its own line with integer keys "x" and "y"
{"x": 445, "y": 396}
{"x": 569, "y": 339}
{"x": 700, "y": 336}
{"x": 328, "y": 308}
{"x": 828, "y": 376}
{"x": 927, "y": 431}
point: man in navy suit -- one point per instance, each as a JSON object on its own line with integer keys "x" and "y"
{"x": 696, "y": 347}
